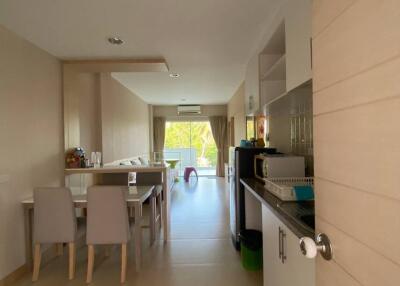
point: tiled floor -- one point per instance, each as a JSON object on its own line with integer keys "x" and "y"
{"x": 199, "y": 252}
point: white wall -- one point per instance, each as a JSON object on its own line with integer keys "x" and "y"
{"x": 31, "y": 136}
{"x": 236, "y": 109}
{"x": 125, "y": 121}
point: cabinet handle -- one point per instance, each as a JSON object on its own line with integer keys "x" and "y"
{"x": 283, "y": 246}
{"x": 280, "y": 243}
{"x": 311, "y": 53}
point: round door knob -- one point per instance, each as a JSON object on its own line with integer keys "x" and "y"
{"x": 322, "y": 244}
{"x": 308, "y": 247}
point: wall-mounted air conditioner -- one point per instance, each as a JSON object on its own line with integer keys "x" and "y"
{"x": 189, "y": 109}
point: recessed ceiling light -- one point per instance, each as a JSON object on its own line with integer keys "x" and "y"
{"x": 115, "y": 41}
{"x": 183, "y": 99}
{"x": 175, "y": 75}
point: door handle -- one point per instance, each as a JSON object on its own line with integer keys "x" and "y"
{"x": 283, "y": 236}
{"x": 280, "y": 243}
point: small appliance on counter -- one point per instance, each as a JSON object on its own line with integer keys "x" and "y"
{"x": 278, "y": 165}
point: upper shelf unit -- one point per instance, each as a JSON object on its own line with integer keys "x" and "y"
{"x": 272, "y": 66}
{"x": 277, "y": 71}
{"x": 283, "y": 60}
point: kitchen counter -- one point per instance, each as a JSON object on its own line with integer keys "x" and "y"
{"x": 292, "y": 214}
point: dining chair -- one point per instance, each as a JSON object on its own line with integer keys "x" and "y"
{"x": 107, "y": 223}
{"x": 54, "y": 222}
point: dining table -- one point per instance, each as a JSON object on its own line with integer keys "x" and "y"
{"x": 163, "y": 168}
{"x": 135, "y": 198}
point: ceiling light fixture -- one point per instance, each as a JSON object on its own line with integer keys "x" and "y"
{"x": 115, "y": 41}
{"x": 174, "y": 75}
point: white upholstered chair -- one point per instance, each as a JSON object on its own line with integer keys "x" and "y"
{"x": 54, "y": 222}
{"x": 107, "y": 222}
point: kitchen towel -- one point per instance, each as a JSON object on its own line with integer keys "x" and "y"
{"x": 304, "y": 193}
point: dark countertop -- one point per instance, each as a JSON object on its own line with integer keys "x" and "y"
{"x": 288, "y": 212}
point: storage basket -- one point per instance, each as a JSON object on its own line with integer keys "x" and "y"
{"x": 283, "y": 187}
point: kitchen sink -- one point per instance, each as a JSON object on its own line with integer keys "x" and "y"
{"x": 308, "y": 220}
{"x": 302, "y": 212}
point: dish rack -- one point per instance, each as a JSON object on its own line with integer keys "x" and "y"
{"x": 283, "y": 187}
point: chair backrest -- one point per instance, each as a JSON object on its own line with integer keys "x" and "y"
{"x": 107, "y": 215}
{"x": 54, "y": 215}
{"x": 147, "y": 179}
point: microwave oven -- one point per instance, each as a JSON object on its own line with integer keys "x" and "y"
{"x": 273, "y": 166}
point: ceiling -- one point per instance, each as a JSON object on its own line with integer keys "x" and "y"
{"x": 207, "y": 42}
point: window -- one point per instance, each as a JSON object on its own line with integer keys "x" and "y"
{"x": 193, "y": 144}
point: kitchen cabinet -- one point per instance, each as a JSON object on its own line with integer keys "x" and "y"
{"x": 252, "y": 86}
{"x": 298, "y": 42}
{"x": 283, "y": 63}
{"x": 283, "y": 261}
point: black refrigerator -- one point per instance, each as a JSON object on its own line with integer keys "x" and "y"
{"x": 241, "y": 165}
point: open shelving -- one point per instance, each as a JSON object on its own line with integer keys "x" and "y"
{"x": 272, "y": 67}
{"x": 277, "y": 71}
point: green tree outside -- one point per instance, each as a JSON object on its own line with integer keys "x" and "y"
{"x": 193, "y": 134}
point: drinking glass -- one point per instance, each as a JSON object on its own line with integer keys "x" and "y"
{"x": 93, "y": 158}
{"x": 98, "y": 159}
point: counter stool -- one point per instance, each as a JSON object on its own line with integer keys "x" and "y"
{"x": 187, "y": 172}
{"x": 147, "y": 179}
{"x": 156, "y": 211}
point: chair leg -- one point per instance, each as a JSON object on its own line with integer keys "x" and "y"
{"x": 152, "y": 218}
{"x": 90, "y": 264}
{"x": 36, "y": 262}
{"x": 159, "y": 208}
{"x": 123, "y": 262}
{"x": 72, "y": 260}
{"x": 138, "y": 236}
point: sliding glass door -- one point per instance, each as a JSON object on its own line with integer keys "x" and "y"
{"x": 192, "y": 143}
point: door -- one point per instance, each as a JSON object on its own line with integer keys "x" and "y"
{"x": 356, "y": 140}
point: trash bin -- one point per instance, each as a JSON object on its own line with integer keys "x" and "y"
{"x": 251, "y": 249}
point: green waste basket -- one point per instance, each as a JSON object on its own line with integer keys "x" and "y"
{"x": 251, "y": 249}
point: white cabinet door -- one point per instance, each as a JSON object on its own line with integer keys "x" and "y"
{"x": 252, "y": 86}
{"x": 298, "y": 42}
{"x": 295, "y": 269}
{"x": 273, "y": 267}
{"x": 301, "y": 269}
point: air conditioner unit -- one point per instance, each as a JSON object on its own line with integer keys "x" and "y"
{"x": 189, "y": 109}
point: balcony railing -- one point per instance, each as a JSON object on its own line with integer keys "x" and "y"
{"x": 187, "y": 157}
